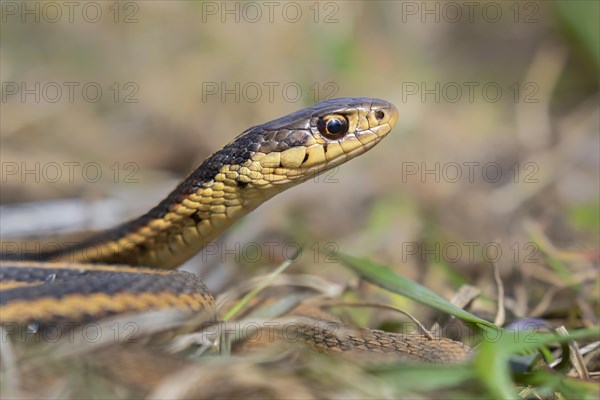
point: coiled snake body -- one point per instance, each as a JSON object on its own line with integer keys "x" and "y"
{"x": 100, "y": 277}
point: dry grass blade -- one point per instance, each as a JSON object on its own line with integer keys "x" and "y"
{"x": 316, "y": 283}
{"x": 575, "y": 355}
{"x": 252, "y": 294}
{"x": 501, "y": 312}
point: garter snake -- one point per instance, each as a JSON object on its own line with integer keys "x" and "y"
{"x": 110, "y": 273}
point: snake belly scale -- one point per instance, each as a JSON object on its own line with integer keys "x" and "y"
{"x": 126, "y": 269}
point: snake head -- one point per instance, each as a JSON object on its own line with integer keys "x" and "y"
{"x": 297, "y": 147}
{"x": 306, "y": 143}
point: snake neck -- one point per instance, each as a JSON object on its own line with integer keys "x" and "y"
{"x": 184, "y": 223}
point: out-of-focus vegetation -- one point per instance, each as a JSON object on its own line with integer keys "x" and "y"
{"x": 490, "y": 178}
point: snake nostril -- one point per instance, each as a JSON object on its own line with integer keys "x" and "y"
{"x": 379, "y": 115}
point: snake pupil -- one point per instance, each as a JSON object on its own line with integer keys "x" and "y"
{"x": 334, "y": 126}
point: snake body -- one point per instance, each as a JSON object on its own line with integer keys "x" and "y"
{"x": 109, "y": 274}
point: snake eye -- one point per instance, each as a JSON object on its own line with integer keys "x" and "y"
{"x": 333, "y": 126}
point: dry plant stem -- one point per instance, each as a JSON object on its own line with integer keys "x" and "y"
{"x": 462, "y": 298}
{"x": 545, "y": 302}
{"x": 533, "y": 119}
{"x": 575, "y": 356}
{"x": 465, "y": 295}
{"x": 378, "y": 305}
{"x": 312, "y": 282}
{"x": 501, "y": 313}
{"x": 8, "y": 364}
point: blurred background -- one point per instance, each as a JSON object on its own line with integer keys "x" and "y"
{"x": 494, "y": 159}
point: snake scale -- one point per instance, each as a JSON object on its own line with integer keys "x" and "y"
{"x": 128, "y": 268}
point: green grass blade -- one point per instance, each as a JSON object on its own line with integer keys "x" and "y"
{"x": 389, "y": 280}
{"x": 409, "y": 377}
{"x": 492, "y": 358}
{"x": 252, "y": 294}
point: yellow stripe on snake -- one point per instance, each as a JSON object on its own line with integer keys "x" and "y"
{"x": 124, "y": 269}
